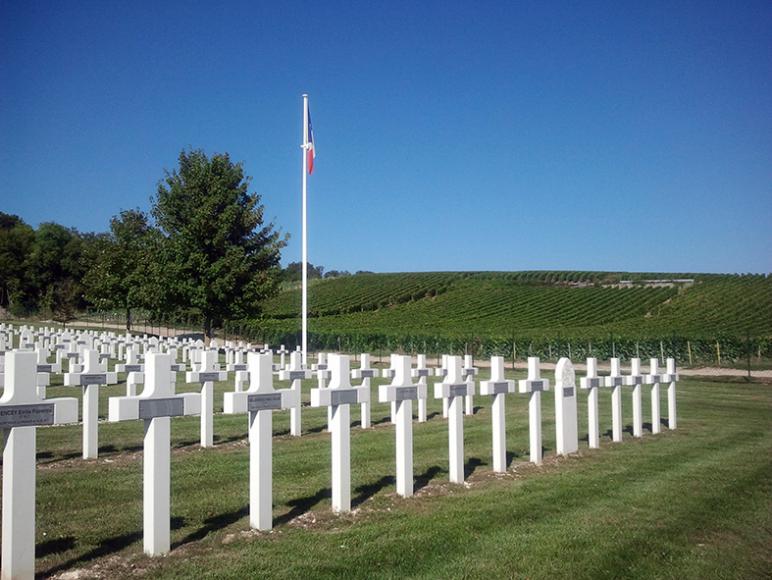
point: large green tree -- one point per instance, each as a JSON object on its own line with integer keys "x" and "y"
{"x": 220, "y": 258}
{"x": 123, "y": 264}
{"x": 16, "y": 239}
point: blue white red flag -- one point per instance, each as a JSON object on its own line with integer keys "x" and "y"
{"x": 310, "y": 151}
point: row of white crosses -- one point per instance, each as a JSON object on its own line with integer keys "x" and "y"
{"x": 21, "y": 409}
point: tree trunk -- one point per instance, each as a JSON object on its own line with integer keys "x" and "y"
{"x": 128, "y": 319}
{"x": 207, "y": 330}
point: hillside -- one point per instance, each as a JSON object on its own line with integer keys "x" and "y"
{"x": 485, "y": 306}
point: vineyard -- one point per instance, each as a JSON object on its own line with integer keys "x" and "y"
{"x": 546, "y": 312}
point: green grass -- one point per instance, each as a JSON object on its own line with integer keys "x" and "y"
{"x": 693, "y": 503}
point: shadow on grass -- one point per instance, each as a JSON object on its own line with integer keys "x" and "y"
{"x": 472, "y": 465}
{"x": 105, "y": 548}
{"x": 368, "y": 490}
{"x": 432, "y": 415}
{"x": 511, "y": 456}
{"x": 212, "y": 524}
{"x": 54, "y": 546}
{"x": 423, "y": 479}
{"x": 302, "y": 505}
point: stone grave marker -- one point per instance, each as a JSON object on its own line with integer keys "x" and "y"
{"x": 653, "y": 379}
{"x": 590, "y": 383}
{"x": 403, "y": 392}
{"x": 295, "y": 373}
{"x": 453, "y": 389}
{"x": 21, "y": 412}
{"x": 566, "y": 422}
{"x": 635, "y": 380}
{"x": 534, "y": 385}
{"x": 615, "y": 381}
{"x": 498, "y": 387}
{"x": 421, "y": 372}
{"x": 156, "y": 405}
{"x": 671, "y": 377}
{"x": 469, "y": 372}
{"x": 259, "y": 401}
{"x": 90, "y": 380}
{"x": 365, "y": 373}
{"x": 207, "y": 374}
{"x": 339, "y": 397}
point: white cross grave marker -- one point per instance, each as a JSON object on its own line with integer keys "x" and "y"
{"x": 207, "y": 374}
{"x": 671, "y": 376}
{"x": 90, "y": 379}
{"x": 590, "y": 383}
{"x": 469, "y": 372}
{"x": 614, "y": 381}
{"x": 653, "y": 379}
{"x": 403, "y": 392}
{"x": 339, "y": 397}
{"x": 21, "y": 411}
{"x": 454, "y": 388}
{"x": 295, "y": 373}
{"x": 260, "y": 400}
{"x": 282, "y": 352}
{"x": 566, "y": 423}
{"x": 421, "y": 372}
{"x": 534, "y": 385}
{"x": 156, "y": 406}
{"x": 635, "y": 380}
{"x": 497, "y": 387}
{"x": 366, "y": 373}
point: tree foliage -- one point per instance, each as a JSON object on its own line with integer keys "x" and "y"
{"x": 219, "y": 256}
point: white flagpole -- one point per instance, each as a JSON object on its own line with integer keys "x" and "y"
{"x": 304, "y": 147}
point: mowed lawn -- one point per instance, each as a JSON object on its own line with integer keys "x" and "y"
{"x": 693, "y": 503}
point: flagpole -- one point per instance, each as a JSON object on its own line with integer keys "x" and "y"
{"x": 305, "y": 237}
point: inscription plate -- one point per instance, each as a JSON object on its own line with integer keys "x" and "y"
{"x": 133, "y": 368}
{"x": 264, "y": 402}
{"x": 177, "y": 367}
{"x": 406, "y": 393}
{"x": 614, "y": 381}
{"x": 422, "y": 372}
{"x": 367, "y": 373}
{"x": 239, "y": 367}
{"x": 636, "y": 380}
{"x": 72, "y": 355}
{"x": 170, "y": 407}
{"x": 343, "y": 397}
{"x": 104, "y": 356}
{"x": 457, "y": 390}
{"x": 537, "y": 385}
{"x": 296, "y": 375}
{"x": 26, "y": 415}
{"x": 321, "y": 367}
{"x": 208, "y": 377}
{"x": 86, "y": 380}
{"x": 44, "y": 369}
{"x": 60, "y": 346}
{"x": 500, "y": 388}
{"x": 568, "y": 391}
{"x": 592, "y": 382}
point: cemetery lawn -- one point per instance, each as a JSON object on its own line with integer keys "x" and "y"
{"x": 692, "y": 503}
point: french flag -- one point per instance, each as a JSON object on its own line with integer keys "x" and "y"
{"x": 310, "y": 151}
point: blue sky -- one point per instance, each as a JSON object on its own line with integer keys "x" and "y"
{"x": 450, "y": 136}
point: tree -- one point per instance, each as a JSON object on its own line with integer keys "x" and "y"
{"x": 55, "y": 257}
{"x": 123, "y": 264}
{"x": 294, "y": 271}
{"x": 16, "y": 239}
{"x": 219, "y": 257}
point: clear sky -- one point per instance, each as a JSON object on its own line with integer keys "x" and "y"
{"x": 450, "y": 136}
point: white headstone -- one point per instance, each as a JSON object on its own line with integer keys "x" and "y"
{"x": 21, "y": 411}
{"x": 90, "y": 379}
{"x": 156, "y": 405}
{"x": 421, "y": 372}
{"x": 497, "y": 387}
{"x": 566, "y": 428}
{"x": 208, "y": 373}
{"x": 453, "y": 389}
{"x": 469, "y": 372}
{"x": 614, "y": 382}
{"x": 653, "y": 379}
{"x": 365, "y": 373}
{"x": 635, "y": 380}
{"x": 590, "y": 383}
{"x": 671, "y": 377}
{"x": 403, "y": 392}
{"x": 339, "y": 397}
{"x": 259, "y": 401}
{"x": 534, "y": 385}
{"x": 296, "y": 373}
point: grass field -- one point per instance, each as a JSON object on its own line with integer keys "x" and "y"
{"x": 693, "y": 503}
